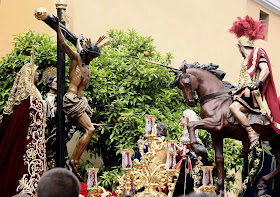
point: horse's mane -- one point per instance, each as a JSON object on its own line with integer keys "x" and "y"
{"x": 210, "y": 67}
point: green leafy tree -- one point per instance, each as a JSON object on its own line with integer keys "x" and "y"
{"x": 121, "y": 91}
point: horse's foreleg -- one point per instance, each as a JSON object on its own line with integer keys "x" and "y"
{"x": 206, "y": 124}
{"x": 219, "y": 159}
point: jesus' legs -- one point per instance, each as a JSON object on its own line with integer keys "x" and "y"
{"x": 85, "y": 122}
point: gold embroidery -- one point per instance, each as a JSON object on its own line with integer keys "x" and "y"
{"x": 244, "y": 184}
{"x": 197, "y": 172}
{"x": 254, "y": 61}
{"x": 23, "y": 87}
{"x": 35, "y": 157}
{"x": 246, "y": 104}
{"x": 244, "y": 77}
{"x": 35, "y": 154}
{"x": 256, "y": 163}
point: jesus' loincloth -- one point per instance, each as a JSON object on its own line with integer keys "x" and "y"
{"x": 75, "y": 106}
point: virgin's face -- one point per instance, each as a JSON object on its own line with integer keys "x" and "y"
{"x": 36, "y": 76}
{"x": 182, "y": 120}
{"x": 54, "y": 84}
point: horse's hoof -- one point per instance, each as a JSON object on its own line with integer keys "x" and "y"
{"x": 261, "y": 191}
{"x": 200, "y": 150}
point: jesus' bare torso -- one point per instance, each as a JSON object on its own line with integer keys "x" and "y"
{"x": 79, "y": 75}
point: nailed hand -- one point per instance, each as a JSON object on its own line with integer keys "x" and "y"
{"x": 97, "y": 126}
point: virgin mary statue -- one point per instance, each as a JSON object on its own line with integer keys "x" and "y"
{"x": 22, "y": 139}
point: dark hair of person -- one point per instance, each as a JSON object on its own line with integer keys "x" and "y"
{"x": 92, "y": 50}
{"x": 49, "y": 81}
{"x": 58, "y": 182}
{"x": 161, "y": 129}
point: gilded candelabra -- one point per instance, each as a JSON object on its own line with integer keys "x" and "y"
{"x": 151, "y": 172}
{"x": 93, "y": 189}
{"x": 207, "y": 181}
{"x": 155, "y": 172}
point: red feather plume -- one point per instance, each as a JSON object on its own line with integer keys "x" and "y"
{"x": 248, "y": 27}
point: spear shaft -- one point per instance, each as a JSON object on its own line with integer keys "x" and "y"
{"x": 157, "y": 63}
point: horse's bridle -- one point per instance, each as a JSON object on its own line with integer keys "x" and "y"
{"x": 208, "y": 97}
{"x": 190, "y": 84}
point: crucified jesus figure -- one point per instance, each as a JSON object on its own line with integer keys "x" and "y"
{"x": 75, "y": 104}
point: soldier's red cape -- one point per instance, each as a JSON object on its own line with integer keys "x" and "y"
{"x": 269, "y": 91}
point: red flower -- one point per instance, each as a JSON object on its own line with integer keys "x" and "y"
{"x": 84, "y": 190}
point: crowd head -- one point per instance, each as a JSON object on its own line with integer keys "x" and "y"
{"x": 58, "y": 182}
{"x": 161, "y": 129}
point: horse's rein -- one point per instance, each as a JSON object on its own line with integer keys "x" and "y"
{"x": 209, "y": 97}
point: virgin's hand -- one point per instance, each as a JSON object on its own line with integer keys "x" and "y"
{"x": 54, "y": 110}
{"x": 140, "y": 142}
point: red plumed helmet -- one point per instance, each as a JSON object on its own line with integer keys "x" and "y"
{"x": 248, "y": 27}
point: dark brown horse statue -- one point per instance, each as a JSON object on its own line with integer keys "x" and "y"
{"x": 215, "y": 101}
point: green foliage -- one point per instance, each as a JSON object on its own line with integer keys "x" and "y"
{"x": 107, "y": 179}
{"x": 121, "y": 91}
{"x": 124, "y": 90}
{"x": 232, "y": 163}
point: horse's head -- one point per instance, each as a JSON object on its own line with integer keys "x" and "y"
{"x": 184, "y": 81}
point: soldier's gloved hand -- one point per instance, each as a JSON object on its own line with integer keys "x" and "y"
{"x": 256, "y": 85}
